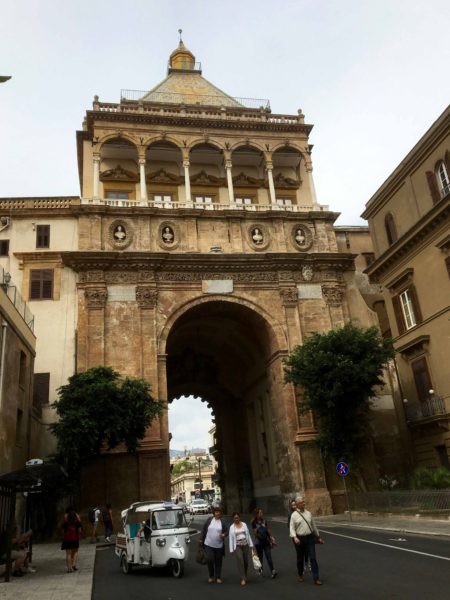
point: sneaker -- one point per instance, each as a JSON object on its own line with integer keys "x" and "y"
{"x": 317, "y": 582}
{"x": 107, "y": 539}
{"x": 274, "y": 574}
{"x": 219, "y": 581}
{"x": 31, "y": 569}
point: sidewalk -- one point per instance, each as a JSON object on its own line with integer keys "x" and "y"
{"x": 51, "y": 582}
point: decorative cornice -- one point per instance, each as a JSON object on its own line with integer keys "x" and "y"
{"x": 119, "y": 174}
{"x": 414, "y": 347}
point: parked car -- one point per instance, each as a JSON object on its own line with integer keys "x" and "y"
{"x": 199, "y": 506}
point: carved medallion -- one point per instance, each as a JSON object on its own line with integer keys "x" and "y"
{"x": 120, "y": 234}
{"x": 258, "y": 236}
{"x": 168, "y": 235}
{"x": 301, "y": 237}
{"x": 307, "y": 273}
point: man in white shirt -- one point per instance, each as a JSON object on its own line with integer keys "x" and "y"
{"x": 304, "y": 534}
{"x": 97, "y": 513}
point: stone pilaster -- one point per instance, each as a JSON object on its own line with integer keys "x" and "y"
{"x": 95, "y": 300}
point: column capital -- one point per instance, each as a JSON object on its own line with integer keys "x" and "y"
{"x": 185, "y": 154}
{"x": 96, "y": 297}
{"x": 186, "y": 163}
{"x": 228, "y": 163}
{"x": 227, "y": 155}
{"x": 269, "y": 165}
{"x": 333, "y": 294}
{"x": 268, "y": 156}
{"x": 96, "y": 156}
{"x": 142, "y": 161}
{"x": 146, "y": 296}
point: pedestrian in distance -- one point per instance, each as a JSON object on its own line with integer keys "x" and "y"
{"x": 71, "y": 540}
{"x": 305, "y": 536}
{"x": 240, "y": 544}
{"x": 94, "y": 518}
{"x": 107, "y": 519}
{"x": 264, "y": 540}
{"x": 212, "y": 538}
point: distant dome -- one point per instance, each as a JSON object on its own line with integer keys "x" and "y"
{"x": 182, "y": 58}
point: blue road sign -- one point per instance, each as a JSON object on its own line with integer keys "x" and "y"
{"x": 342, "y": 469}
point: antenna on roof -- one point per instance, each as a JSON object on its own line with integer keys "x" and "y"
{"x": 180, "y": 31}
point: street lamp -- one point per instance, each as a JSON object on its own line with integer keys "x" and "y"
{"x": 200, "y": 484}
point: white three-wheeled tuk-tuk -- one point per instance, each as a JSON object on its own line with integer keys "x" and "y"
{"x": 156, "y": 534}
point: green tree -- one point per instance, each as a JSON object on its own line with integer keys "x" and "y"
{"x": 431, "y": 479}
{"x": 98, "y": 409}
{"x": 338, "y": 372}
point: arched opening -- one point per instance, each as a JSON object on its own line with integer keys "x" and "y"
{"x": 206, "y": 174}
{"x": 219, "y": 351}
{"x": 119, "y": 171}
{"x": 248, "y": 177}
{"x": 164, "y": 173}
{"x": 286, "y": 175}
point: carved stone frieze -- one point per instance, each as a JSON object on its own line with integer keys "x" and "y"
{"x": 146, "y": 296}
{"x": 163, "y": 176}
{"x": 204, "y": 178}
{"x": 121, "y": 277}
{"x": 246, "y": 277}
{"x": 285, "y": 275}
{"x": 289, "y": 296}
{"x": 281, "y": 181}
{"x": 119, "y": 174}
{"x": 146, "y": 276}
{"x": 95, "y": 297}
{"x": 333, "y": 294}
{"x": 244, "y": 180}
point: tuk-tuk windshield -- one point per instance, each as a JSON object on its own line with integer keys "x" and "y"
{"x": 168, "y": 519}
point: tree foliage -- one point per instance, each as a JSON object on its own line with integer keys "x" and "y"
{"x": 99, "y": 409}
{"x": 431, "y": 479}
{"x": 338, "y": 372}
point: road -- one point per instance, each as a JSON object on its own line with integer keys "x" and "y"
{"x": 354, "y": 564}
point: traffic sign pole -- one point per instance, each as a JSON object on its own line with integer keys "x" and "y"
{"x": 348, "y": 502}
{"x": 342, "y": 470}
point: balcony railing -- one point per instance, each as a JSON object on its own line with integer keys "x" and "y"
{"x": 213, "y": 206}
{"x": 431, "y": 407}
{"x": 19, "y": 303}
{"x": 196, "y": 99}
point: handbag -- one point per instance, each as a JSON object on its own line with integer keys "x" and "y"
{"x": 201, "y": 556}
{"x": 256, "y": 563}
{"x": 317, "y": 538}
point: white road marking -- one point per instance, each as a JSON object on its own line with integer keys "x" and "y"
{"x": 349, "y": 537}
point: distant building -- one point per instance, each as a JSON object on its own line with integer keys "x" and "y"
{"x": 409, "y": 221}
{"x": 192, "y": 476}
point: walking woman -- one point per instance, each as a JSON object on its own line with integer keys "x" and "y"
{"x": 240, "y": 542}
{"x": 71, "y": 540}
{"x": 263, "y": 539}
{"x": 212, "y": 538}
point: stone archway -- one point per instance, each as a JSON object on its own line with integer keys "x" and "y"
{"x": 222, "y": 351}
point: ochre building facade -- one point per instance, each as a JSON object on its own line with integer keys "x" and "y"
{"x": 197, "y": 257}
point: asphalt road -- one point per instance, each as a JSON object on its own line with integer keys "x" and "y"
{"x": 354, "y": 564}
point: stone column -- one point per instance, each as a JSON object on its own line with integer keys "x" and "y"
{"x": 187, "y": 181}
{"x": 269, "y": 169}
{"x": 334, "y": 296}
{"x": 96, "y": 180}
{"x": 143, "y": 183}
{"x": 95, "y": 299}
{"x": 309, "y": 170}
{"x": 228, "y": 168}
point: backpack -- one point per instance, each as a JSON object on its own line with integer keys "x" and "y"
{"x": 91, "y": 514}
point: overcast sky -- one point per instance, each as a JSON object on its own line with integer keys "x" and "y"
{"x": 189, "y": 423}
{"x": 370, "y": 75}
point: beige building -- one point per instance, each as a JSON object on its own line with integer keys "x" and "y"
{"x": 409, "y": 220}
{"x": 197, "y": 257}
{"x": 19, "y": 412}
{"x": 192, "y": 475}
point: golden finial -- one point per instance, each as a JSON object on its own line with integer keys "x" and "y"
{"x": 180, "y": 31}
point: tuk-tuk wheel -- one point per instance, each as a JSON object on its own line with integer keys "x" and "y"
{"x": 124, "y": 564}
{"x": 177, "y": 567}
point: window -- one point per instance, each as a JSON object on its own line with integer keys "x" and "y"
{"x": 41, "y": 284}
{"x": 41, "y": 387}
{"x": 442, "y": 179}
{"x": 203, "y": 202}
{"x": 443, "y": 457}
{"x": 43, "y": 236}
{"x": 421, "y": 379}
{"x": 285, "y": 202}
{"x": 19, "y": 426}
{"x": 391, "y": 230}
{"x": 162, "y": 200}
{"x": 4, "y": 247}
{"x": 244, "y": 202}
{"x": 114, "y": 195}
{"x": 406, "y": 309}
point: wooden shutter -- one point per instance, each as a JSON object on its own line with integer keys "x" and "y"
{"x": 415, "y": 304}
{"x": 421, "y": 378}
{"x": 41, "y": 389}
{"x": 447, "y": 162}
{"x": 41, "y": 284}
{"x": 391, "y": 230}
{"x": 399, "y": 314}
{"x": 43, "y": 236}
{"x": 432, "y": 184}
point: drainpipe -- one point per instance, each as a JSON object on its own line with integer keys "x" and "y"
{"x": 2, "y": 363}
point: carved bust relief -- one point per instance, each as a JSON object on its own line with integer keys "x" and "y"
{"x": 168, "y": 235}
{"x": 301, "y": 237}
{"x": 258, "y": 236}
{"x": 120, "y": 234}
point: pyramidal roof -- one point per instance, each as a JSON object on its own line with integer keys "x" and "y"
{"x": 185, "y": 84}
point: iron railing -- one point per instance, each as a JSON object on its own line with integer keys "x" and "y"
{"x": 17, "y": 300}
{"x": 430, "y": 407}
{"x": 401, "y": 501}
{"x": 199, "y": 99}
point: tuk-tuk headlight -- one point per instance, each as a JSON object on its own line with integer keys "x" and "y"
{"x": 161, "y": 542}
{"x": 187, "y": 540}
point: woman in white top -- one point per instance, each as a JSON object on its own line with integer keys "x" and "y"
{"x": 240, "y": 542}
{"x": 212, "y": 539}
